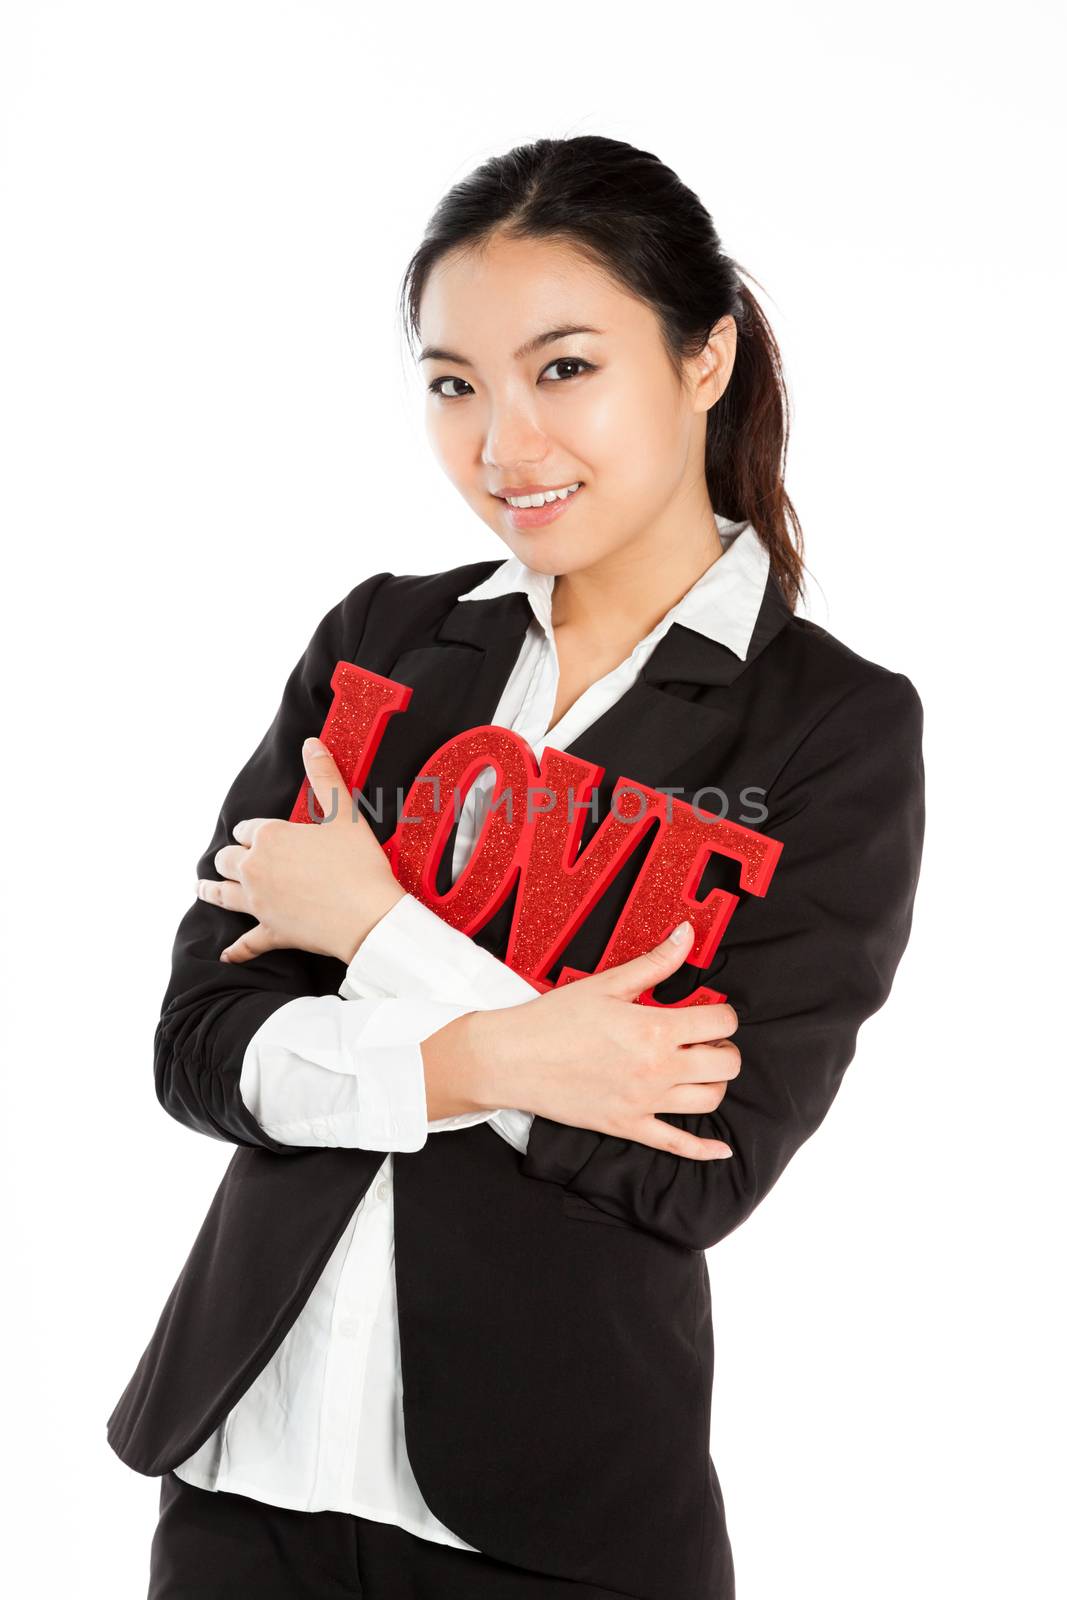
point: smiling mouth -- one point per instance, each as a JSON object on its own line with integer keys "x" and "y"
{"x": 542, "y": 497}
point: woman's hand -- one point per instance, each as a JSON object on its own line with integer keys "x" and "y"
{"x": 587, "y": 1055}
{"x": 320, "y": 887}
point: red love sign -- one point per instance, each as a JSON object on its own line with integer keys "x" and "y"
{"x": 530, "y": 836}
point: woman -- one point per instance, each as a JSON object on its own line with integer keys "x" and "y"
{"x": 446, "y": 1044}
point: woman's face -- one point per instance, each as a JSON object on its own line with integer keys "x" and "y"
{"x": 510, "y": 409}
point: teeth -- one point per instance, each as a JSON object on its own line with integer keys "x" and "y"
{"x": 523, "y": 501}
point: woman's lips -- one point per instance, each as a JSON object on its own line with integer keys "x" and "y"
{"x": 538, "y": 516}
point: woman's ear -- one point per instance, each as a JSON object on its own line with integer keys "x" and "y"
{"x": 710, "y": 369}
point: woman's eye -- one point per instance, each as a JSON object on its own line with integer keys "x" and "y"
{"x": 437, "y": 387}
{"x": 573, "y": 362}
{"x": 568, "y": 361}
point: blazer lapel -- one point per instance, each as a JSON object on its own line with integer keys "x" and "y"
{"x": 456, "y": 683}
{"x": 652, "y": 732}
{"x": 648, "y": 735}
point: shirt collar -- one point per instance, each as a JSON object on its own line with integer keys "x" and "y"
{"x": 722, "y": 604}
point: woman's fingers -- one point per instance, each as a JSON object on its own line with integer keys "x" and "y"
{"x": 245, "y": 830}
{"x": 230, "y": 896}
{"x": 665, "y": 1136}
{"x": 228, "y": 860}
{"x": 700, "y": 1022}
{"x": 706, "y": 1063}
{"x": 325, "y": 778}
{"x": 256, "y": 942}
{"x": 693, "y": 1098}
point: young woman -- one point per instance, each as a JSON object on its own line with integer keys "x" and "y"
{"x": 399, "y": 1361}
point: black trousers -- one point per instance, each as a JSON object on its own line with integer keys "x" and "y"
{"x": 210, "y": 1543}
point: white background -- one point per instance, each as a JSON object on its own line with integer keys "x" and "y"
{"x": 211, "y": 431}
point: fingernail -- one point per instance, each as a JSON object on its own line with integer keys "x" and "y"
{"x": 679, "y": 933}
{"x": 311, "y": 744}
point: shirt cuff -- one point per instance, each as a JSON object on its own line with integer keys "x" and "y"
{"x": 411, "y": 950}
{"x": 323, "y": 1071}
{"x": 514, "y": 1126}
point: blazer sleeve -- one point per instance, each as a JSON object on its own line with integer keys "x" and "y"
{"x": 211, "y": 1010}
{"x": 803, "y": 966}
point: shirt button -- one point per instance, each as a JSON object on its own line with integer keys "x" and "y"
{"x": 350, "y": 1326}
{"x": 382, "y": 1190}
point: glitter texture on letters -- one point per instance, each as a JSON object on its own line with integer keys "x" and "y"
{"x": 532, "y": 833}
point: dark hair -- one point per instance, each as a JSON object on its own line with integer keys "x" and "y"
{"x": 627, "y": 212}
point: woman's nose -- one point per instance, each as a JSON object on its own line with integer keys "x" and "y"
{"x": 514, "y": 447}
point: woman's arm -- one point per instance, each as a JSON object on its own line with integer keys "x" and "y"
{"x": 412, "y": 953}
{"x": 332, "y": 1072}
{"x": 211, "y": 1010}
{"x": 348, "y": 1070}
{"x": 803, "y": 968}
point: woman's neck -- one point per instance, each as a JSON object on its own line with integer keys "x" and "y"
{"x": 622, "y": 598}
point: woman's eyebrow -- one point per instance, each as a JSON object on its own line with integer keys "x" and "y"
{"x": 435, "y": 353}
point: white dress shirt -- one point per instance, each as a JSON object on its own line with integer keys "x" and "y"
{"x": 322, "y": 1427}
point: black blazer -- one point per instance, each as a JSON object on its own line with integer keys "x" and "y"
{"x": 555, "y": 1312}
